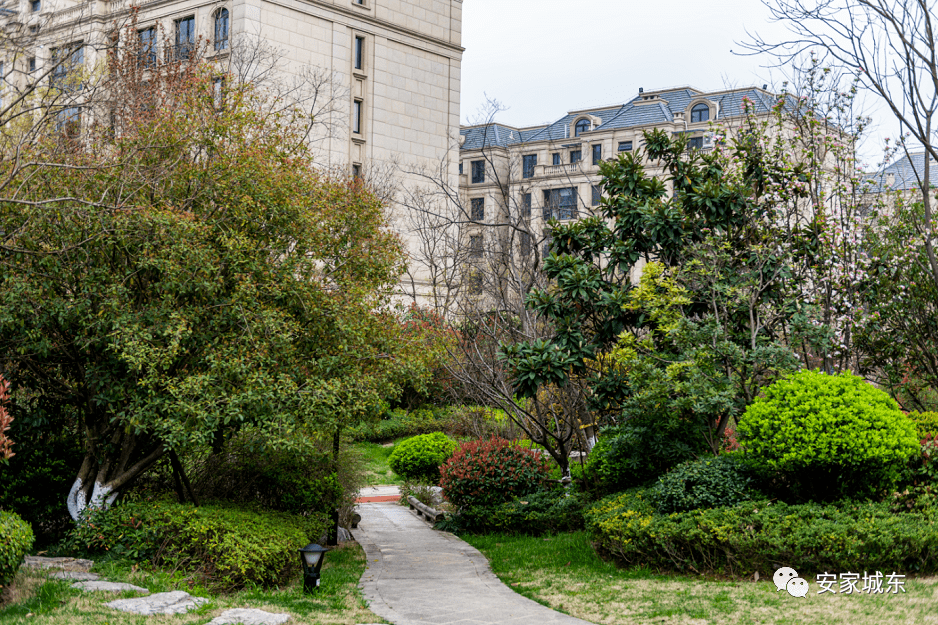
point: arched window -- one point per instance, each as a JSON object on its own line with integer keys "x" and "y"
{"x": 581, "y": 126}
{"x": 221, "y": 29}
{"x": 700, "y": 113}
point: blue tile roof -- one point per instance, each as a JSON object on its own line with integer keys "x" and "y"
{"x": 907, "y": 171}
{"x": 635, "y": 113}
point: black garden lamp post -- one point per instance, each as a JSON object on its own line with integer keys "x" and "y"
{"x": 311, "y": 557}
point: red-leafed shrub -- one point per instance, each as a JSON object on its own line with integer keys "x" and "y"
{"x": 490, "y": 472}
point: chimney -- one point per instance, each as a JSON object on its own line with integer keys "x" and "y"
{"x": 890, "y": 180}
{"x": 641, "y": 90}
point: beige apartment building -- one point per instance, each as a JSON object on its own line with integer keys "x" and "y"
{"x": 393, "y": 66}
{"x": 525, "y": 176}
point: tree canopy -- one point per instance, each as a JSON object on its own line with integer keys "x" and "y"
{"x": 180, "y": 269}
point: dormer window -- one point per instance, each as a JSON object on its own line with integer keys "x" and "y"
{"x": 700, "y": 113}
{"x": 581, "y": 126}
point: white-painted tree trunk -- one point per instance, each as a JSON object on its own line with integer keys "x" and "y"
{"x": 102, "y": 496}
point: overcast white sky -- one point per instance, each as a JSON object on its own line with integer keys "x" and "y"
{"x": 543, "y": 58}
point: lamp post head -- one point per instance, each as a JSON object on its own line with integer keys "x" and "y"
{"x": 311, "y": 557}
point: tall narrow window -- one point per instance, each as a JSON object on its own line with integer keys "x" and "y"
{"x": 560, "y": 203}
{"x": 475, "y": 246}
{"x": 356, "y": 171}
{"x": 525, "y": 243}
{"x": 35, "y": 6}
{"x": 357, "y": 117}
{"x": 597, "y": 153}
{"x": 185, "y": 38}
{"x": 575, "y": 156}
{"x": 478, "y": 171}
{"x": 597, "y": 194}
{"x": 477, "y": 209}
{"x": 526, "y": 205}
{"x": 528, "y": 162}
{"x": 556, "y": 158}
{"x": 146, "y": 53}
{"x": 68, "y": 122}
{"x": 31, "y": 64}
{"x": 221, "y": 29}
{"x": 359, "y": 52}
{"x": 460, "y": 168}
{"x": 66, "y": 66}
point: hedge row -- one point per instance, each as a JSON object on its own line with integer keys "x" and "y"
{"x": 542, "y": 512}
{"x": 227, "y": 547}
{"x": 762, "y": 536}
{"x": 16, "y": 539}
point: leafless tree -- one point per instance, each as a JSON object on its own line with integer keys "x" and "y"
{"x": 892, "y": 46}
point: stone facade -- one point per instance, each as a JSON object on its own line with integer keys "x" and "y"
{"x": 526, "y": 175}
{"x": 394, "y": 63}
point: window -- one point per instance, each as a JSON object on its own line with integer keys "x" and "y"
{"x": 525, "y": 243}
{"x": 477, "y": 209}
{"x": 359, "y": 52}
{"x": 581, "y": 126}
{"x": 218, "y": 92}
{"x": 66, "y": 63}
{"x": 35, "y": 6}
{"x": 478, "y": 171}
{"x": 556, "y": 158}
{"x": 31, "y": 64}
{"x": 475, "y": 282}
{"x": 460, "y": 168}
{"x": 625, "y": 146}
{"x": 575, "y": 156}
{"x": 357, "y": 117}
{"x": 146, "y": 54}
{"x": 356, "y": 171}
{"x": 597, "y": 153}
{"x": 700, "y": 113}
{"x": 475, "y": 246}
{"x": 545, "y": 247}
{"x": 526, "y": 205}
{"x": 34, "y": 29}
{"x": 185, "y": 38}
{"x": 68, "y": 122}
{"x": 221, "y": 29}
{"x": 560, "y": 203}
{"x": 695, "y": 143}
{"x": 529, "y": 161}
{"x": 597, "y": 194}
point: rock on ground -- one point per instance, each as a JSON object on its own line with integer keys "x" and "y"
{"x": 66, "y": 564}
{"x": 174, "y": 602}
{"x": 249, "y": 616}
{"x": 76, "y": 575}
{"x": 104, "y": 586}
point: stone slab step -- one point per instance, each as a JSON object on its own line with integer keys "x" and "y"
{"x": 105, "y": 586}
{"x": 249, "y": 616}
{"x": 173, "y": 602}
{"x": 76, "y": 576}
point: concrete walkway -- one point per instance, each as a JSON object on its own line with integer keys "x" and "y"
{"x": 418, "y": 576}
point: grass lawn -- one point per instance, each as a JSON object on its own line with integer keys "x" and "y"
{"x": 564, "y": 573}
{"x": 377, "y": 470}
{"x": 39, "y": 600}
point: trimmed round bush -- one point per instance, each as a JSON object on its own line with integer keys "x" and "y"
{"x": 16, "y": 539}
{"x": 707, "y": 483}
{"x": 491, "y": 472}
{"x": 420, "y": 457}
{"x": 829, "y": 436}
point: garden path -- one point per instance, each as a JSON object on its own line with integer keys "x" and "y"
{"x": 419, "y": 576}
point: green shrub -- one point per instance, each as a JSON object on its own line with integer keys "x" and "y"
{"x": 544, "y": 511}
{"x": 760, "y": 536}
{"x": 926, "y": 424}
{"x": 707, "y": 483}
{"x": 296, "y": 481}
{"x": 491, "y": 472}
{"x": 420, "y": 457}
{"x": 227, "y": 547}
{"x": 36, "y": 482}
{"x": 920, "y": 488}
{"x": 399, "y": 422}
{"x": 830, "y": 436}
{"x": 478, "y": 422}
{"x": 637, "y": 453}
{"x": 16, "y": 539}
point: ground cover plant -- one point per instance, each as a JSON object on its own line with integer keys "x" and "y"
{"x": 563, "y": 572}
{"x": 38, "y": 599}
